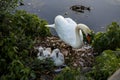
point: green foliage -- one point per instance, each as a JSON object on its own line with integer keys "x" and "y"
{"x": 17, "y": 37}
{"x": 8, "y": 5}
{"x": 30, "y": 24}
{"x": 42, "y": 66}
{"x": 67, "y": 74}
{"x": 18, "y": 71}
{"x": 106, "y": 64}
{"x": 107, "y": 40}
{"x": 24, "y": 23}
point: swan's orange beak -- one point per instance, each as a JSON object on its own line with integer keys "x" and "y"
{"x": 88, "y": 38}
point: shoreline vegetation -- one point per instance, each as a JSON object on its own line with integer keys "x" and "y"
{"x": 21, "y": 31}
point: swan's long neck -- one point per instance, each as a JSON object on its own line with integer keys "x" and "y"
{"x": 78, "y": 42}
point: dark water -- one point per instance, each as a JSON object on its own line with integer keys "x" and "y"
{"x": 102, "y": 13}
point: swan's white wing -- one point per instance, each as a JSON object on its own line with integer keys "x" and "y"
{"x": 60, "y": 20}
{"x": 67, "y": 32}
{"x": 71, "y": 21}
{"x": 65, "y": 28}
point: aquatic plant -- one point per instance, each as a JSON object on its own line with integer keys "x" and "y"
{"x": 17, "y": 37}
{"x": 107, "y": 40}
{"x": 42, "y": 67}
{"x": 106, "y": 64}
{"x": 67, "y": 74}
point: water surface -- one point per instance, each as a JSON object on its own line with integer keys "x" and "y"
{"x": 102, "y": 13}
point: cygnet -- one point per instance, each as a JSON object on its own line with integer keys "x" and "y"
{"x": 57, "y": 57}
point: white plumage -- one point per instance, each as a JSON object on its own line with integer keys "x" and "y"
{"x": 69, "y": 31}
{"x": 40, "y": 54}
{"x": 57, "y": 57}
{"x": 43, "y": 53}
{"x": 47, "y": 53}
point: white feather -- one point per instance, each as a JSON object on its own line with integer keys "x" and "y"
{"x": 69, "y": 31}
{"x": 58, "y": 60}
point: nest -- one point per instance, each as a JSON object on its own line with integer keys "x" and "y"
{"x": 83, "y": 57}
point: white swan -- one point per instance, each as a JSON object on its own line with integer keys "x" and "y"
{"x": 47, "y": 53}
{"x": 69, "y": 31}
{"x": 43, "y": 53}
{"x": 40, "y": 54}
{"x": 57, "y": 57}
